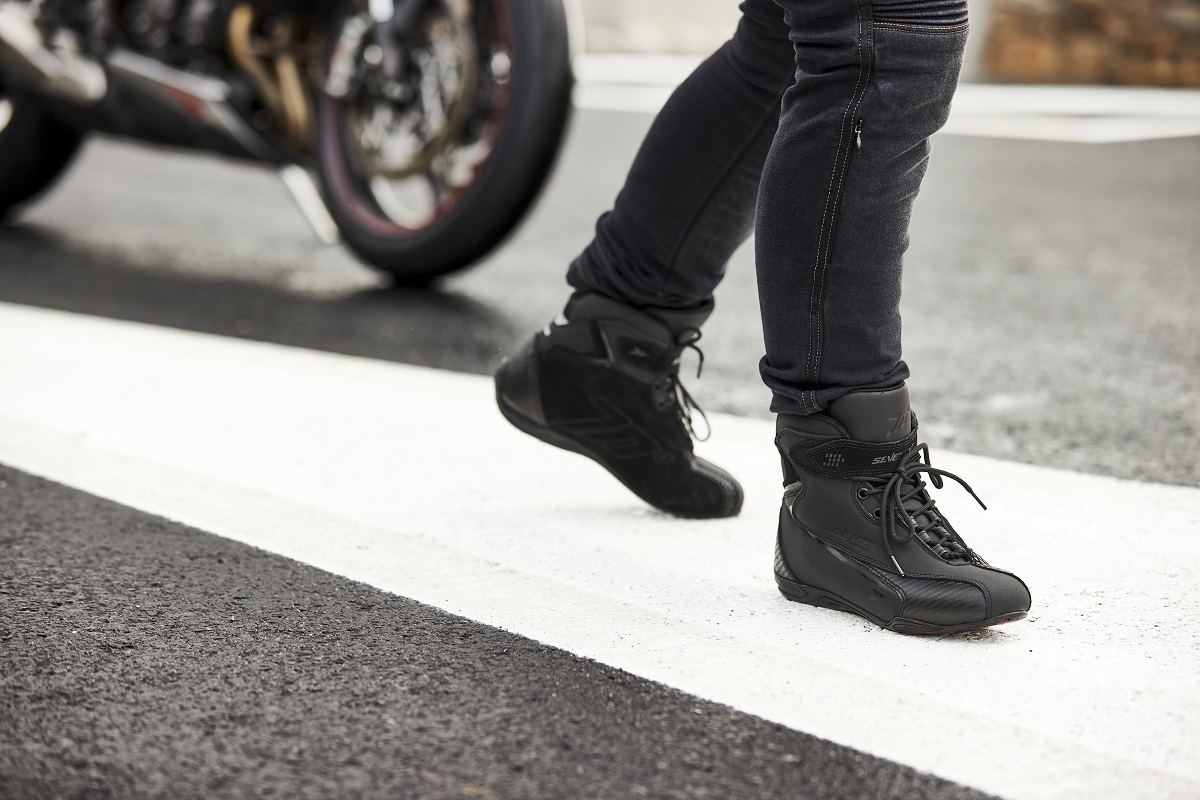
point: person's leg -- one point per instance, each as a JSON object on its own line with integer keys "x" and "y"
{"x": 858, "y": 530}
{"x": 874, "y": 82}
{"x": 688, "y": 201}
{"x": 603, "y": 379}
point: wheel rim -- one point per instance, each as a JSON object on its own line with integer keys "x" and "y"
{"x": 401, "y": 159}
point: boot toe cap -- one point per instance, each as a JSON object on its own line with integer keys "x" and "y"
{"x": 1007, "y": 594}
{"x": 710, "y": 492}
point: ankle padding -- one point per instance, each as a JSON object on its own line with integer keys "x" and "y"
{"x": 844, "y": 457}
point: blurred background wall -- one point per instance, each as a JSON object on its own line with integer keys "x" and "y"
{"x": 658, "y": 26}
{"x": 1132, "y": 42}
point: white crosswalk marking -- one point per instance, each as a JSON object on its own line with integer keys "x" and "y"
{"x": 407, "y": 479}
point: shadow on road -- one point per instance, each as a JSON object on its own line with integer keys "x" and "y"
{"x": 428, "y": 327}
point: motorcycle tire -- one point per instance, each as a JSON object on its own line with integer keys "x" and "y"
{"x": 35, "y": 149}
{"x": 525, "y": 139}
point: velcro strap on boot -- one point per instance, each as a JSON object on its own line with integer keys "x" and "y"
{"x": 844, "y": 458}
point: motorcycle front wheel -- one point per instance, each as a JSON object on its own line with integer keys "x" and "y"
{"x": 433, "y": 145}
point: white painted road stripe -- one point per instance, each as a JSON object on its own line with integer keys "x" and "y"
{"x": 408, "y": 480}
{"x": 1082, "y": 114}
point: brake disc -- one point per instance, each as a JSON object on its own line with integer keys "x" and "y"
{"x": 410, "y": 105}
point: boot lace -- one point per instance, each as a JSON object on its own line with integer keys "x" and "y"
{"x": 685, "y": 405}
{"x": 903, "y": 496}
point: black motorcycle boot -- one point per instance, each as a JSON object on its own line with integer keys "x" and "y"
{"x": 859, "y": 532}
{"x": 603, "y": 380}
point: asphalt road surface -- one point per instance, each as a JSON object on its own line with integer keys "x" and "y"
{"x": 1050, "y": 319}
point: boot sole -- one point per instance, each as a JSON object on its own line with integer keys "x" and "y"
{"x": 549, "y": 436}
{"x": 813, "y": 596}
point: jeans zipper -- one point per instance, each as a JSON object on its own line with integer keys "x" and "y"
{"x": 857, "y": 100}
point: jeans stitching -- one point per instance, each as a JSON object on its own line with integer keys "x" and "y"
{"x": 815, "y": 307}
{"x": 922, "y": 28}
{"x": 841, "y": 187}
{"x": 813, "y": 316}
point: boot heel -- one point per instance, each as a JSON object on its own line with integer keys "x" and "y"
{"x": 790, "y": 589}
{"x": 810, "y": 595}
{"x": 526, "y": 425}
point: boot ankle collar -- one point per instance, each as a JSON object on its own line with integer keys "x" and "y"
{"x": 595, "y": 306}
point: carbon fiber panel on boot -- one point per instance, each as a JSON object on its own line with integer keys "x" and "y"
{"x": 945, "y": 602}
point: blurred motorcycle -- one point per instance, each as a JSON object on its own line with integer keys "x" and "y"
{"x": 430, "y": 125}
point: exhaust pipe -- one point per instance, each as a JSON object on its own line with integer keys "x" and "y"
{"x": 30, "y": 63}
{"x": 192, "y": 100}
{"x": 174, "y": 100}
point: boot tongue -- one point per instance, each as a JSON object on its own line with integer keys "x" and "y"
{"x": 874, "y": 416}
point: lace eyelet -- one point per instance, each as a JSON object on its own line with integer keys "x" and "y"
{"x": 877, "y": 513}
{"x": 862, "y": 493}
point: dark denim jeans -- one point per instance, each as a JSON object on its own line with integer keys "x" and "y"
{"x": 817, "y": 115}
